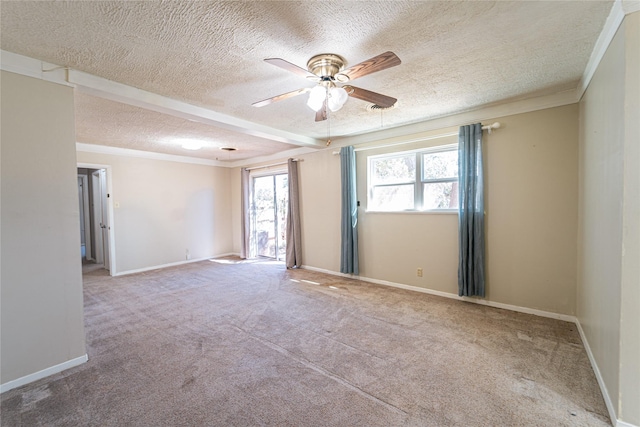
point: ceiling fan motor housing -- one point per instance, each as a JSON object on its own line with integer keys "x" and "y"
{"x": 326, "y": 65}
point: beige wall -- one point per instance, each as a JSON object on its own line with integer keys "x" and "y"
{"x": 629, "y": 405}
{"x": 42, "y": 313}
{"x": 608, "y": 297}
{"x": 531, "y": 202}
{"x": 319, "y": 185}
{"x": 166, "y": 208}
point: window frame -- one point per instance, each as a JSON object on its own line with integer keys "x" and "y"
{"x": 418, "y": 181}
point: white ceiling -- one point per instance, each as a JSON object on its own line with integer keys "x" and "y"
{"x": 456, "y": 56}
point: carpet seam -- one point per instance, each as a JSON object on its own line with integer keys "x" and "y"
{"x": 325, "y": 372}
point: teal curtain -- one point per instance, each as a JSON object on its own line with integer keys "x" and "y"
{"x": 349, "y": 249}
{"x": 470, "y": 212}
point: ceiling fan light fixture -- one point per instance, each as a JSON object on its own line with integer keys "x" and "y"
{"x": 337, "y": 98}
{"x": 316, "y": 97}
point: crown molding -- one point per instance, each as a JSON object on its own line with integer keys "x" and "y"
{"x": 152, "y": 155}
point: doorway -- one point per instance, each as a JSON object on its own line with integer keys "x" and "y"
{"x": 95, "y": 227}
{"x": 270, "y": 201}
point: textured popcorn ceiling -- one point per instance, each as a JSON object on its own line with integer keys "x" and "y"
{"x": 455, "y": 56}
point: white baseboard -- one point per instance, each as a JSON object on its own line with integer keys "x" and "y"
{"x": 596, "y": 371}
{"x": 603, "y": 387}
{"x": 171, "y": 264}
{"x": 527, "y": 310}
{"x": 10, "y": 385}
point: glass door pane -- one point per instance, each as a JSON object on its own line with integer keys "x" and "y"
{"x": 270, "y": 196}
{"x": 263, "y": 216}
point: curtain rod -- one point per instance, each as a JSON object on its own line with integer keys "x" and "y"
{"x": 272, "y": 164}
{"x": 488, "y": 128}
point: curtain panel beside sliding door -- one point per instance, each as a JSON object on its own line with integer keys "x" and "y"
{"x": 294, "y": 232}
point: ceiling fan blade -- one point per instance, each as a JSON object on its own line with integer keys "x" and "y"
{"x": 321, "y": 114}
{"x": 377, "y": 63}
{"x": 281, "y": 97}
{"x": 373, "y": 97}
{"x": 278, "y": 62}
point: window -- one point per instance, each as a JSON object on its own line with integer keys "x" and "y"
{"x": 419, "y": 180}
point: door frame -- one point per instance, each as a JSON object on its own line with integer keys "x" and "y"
{"x": 103, "y": 192}
{"x": 283, "y": 170}
{"x": 111, "y": 229}
{"x": 98, "y": 217}
{"x": 86, "y": 216}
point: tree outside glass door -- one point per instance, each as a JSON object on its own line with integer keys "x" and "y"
{"x": 270, "y": 200}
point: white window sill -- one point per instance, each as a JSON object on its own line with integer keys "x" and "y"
{"x": 431, "y": 212}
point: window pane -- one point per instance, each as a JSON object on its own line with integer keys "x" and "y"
{"x": 394, "y": 170}
{"x": 392, "y": 198}
{"x": 440, "y": 195}
{"x": 440, "y": 165}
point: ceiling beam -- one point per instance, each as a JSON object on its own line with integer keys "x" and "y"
{"x": 98, "y": 86}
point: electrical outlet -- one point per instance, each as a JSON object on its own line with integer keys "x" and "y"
{"x": 188, "y": 256}
{"x": 419, "y": 272}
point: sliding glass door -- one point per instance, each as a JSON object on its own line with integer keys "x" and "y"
{"x": 270, "y": 199}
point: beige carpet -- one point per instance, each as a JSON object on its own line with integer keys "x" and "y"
{"x": 251, "y": 344}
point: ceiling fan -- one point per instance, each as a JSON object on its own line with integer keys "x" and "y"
{"x": 327, "y": 69}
